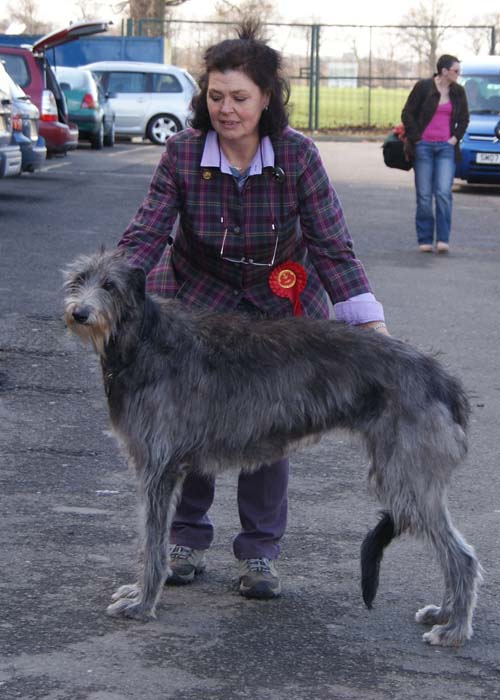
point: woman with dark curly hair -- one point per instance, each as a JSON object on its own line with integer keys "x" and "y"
{"x": 241, "y": 217}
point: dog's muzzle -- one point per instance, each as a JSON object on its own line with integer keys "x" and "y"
{"x": 81, "y": 314}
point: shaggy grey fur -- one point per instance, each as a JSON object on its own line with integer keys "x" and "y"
{"x": 204, "y": 392}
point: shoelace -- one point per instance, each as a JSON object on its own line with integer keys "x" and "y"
{"x": 259, "y": 565}
{"x": 180, "y": 552}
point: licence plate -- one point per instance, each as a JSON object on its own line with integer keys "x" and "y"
{"x": 492, "y": 158}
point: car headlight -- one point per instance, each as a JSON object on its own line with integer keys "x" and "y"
{"x": 497, "y": 130}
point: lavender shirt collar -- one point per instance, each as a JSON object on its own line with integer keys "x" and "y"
{"x": 213, "y": 157}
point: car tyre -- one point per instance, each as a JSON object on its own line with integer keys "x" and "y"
{"x": 97, "y": 139}
{"x": 161, "y": 126}
{"x": 109, "y": 136}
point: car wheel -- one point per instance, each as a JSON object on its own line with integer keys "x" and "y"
{"x": 109, "y": 136}
{"x": 97, "y": 140}
{"x": 161, "y": 126}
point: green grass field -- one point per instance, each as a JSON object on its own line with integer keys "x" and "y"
{"x": 377, "y": 108}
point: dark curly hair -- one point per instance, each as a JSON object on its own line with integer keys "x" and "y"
{"x": 262, "y": 64}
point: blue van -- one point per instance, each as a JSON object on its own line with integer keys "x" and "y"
{"x": 480, "y": 146}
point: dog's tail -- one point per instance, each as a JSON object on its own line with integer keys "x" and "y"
{"x": 372, "y": 551}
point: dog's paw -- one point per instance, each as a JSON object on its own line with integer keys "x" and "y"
{"x": 447, "y": 635}
{"x": 131, "y": 590}
{"x": 131, "y": 609}
{"x": 432, "y": 615}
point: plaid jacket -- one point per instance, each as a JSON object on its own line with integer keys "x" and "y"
{"x": 204, "y": 202}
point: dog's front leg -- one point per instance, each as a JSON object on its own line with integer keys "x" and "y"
{"x": 159, "y": 495}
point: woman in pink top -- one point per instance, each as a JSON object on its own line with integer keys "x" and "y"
{"x": 435, "y": 117}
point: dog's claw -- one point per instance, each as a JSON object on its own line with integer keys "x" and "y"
{"x": 447, "y": 636}
{"x": 131, "y": 609}
{"x": 130, "y": 590}
{"x": 432, "y": 615}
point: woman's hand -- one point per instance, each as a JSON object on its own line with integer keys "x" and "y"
{"x": 378, "y": 326}
{"x": 453, "y": 141}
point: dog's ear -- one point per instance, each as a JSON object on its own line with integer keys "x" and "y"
{"x": 138, "y": 282}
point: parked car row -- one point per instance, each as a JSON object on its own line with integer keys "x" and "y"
{"x": 46, "y": 110}
{"x": 34, "y": 118}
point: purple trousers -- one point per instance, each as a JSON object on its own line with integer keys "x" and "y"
{"x": 262, "y": 507}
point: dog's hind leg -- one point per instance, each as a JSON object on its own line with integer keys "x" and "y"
{"x": 160, "y": 494}
{"x": 410, "y": 476}
{"x": 453, "y": 620}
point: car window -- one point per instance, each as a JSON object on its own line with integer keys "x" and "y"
{"x": 165, "y": 82}
{"x": 16, "y": 67}
{"x": 127, "y": 82}
{"x": 76, "y": 80}
{"x": 483, "y": 91}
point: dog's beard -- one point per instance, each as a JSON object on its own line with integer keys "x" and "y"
{"x": 95, "y": 331}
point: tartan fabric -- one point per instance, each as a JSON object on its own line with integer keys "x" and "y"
{"x": 203, "y": 203}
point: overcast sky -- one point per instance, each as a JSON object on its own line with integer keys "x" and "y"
{"x": 319, "y": 11}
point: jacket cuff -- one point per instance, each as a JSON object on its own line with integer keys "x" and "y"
{"x": 363, "y": 308}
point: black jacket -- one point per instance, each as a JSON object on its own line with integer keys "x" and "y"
{"x": 419, "y": 109}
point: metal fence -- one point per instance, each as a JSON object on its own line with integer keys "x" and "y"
{"x": 342, "y": 76}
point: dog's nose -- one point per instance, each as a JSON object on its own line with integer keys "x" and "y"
{"x": 81, "y": 314}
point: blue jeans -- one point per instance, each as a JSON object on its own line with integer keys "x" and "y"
{"x": 434, "y": 167}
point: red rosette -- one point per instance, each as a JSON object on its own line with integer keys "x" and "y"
{"x": 288, "y": 280}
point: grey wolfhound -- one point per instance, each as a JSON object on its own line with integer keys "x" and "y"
{"x": 203, "y": 392}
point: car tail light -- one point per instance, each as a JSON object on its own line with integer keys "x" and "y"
{"x": 17, "y": 122}
{"x": 48, "y": 113}
{"x": 88, "y": 102}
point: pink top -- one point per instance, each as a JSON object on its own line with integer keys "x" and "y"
{"x": 438, "y": 129}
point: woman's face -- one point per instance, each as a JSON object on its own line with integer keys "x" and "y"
{"x": 452, "y": 72}
{"x": 235, "y": 104}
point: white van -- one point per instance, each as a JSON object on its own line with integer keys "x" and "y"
{"x": 151, "y": 100}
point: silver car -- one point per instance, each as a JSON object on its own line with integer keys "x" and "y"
{"x": 151, "y": 100}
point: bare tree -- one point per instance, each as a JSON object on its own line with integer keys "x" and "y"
{"x": 147, "y": 9}
{"x": 227, "y": 11}
{"x": 157, "y": 11}
{"x": 423, "y": 28}
{"x": 481, "y": 38}
{"x": 88, "y": 10}
{"x": 26, "y": 13}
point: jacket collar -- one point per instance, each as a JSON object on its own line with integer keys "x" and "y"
{"x": 213, "y": 156}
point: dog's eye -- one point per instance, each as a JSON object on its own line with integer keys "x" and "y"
{"x": 78, "y": 281}
{"x": 108, "y": 285}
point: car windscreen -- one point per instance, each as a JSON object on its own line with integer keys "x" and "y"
{"x": 74, "y": 79}
{"x": 483, "y": 92}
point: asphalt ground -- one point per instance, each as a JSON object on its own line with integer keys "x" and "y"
{"x": 67, "y": 509}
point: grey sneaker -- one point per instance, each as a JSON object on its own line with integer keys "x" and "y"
{"x": 185, "y": 563}
{"x": 259, "y": 578}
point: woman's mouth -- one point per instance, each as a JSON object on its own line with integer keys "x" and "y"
{"x": 228, "y": 124}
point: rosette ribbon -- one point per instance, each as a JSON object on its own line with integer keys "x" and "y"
{"x": 288, "y": 280}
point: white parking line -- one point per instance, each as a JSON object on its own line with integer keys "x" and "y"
{"x": 131, "y": 151}
{"x": 55, "y": 166}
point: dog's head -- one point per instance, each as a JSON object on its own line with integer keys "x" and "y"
{"x": 102, "y": 291}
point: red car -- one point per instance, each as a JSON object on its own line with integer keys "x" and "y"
{"x": 30, "y": 69}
